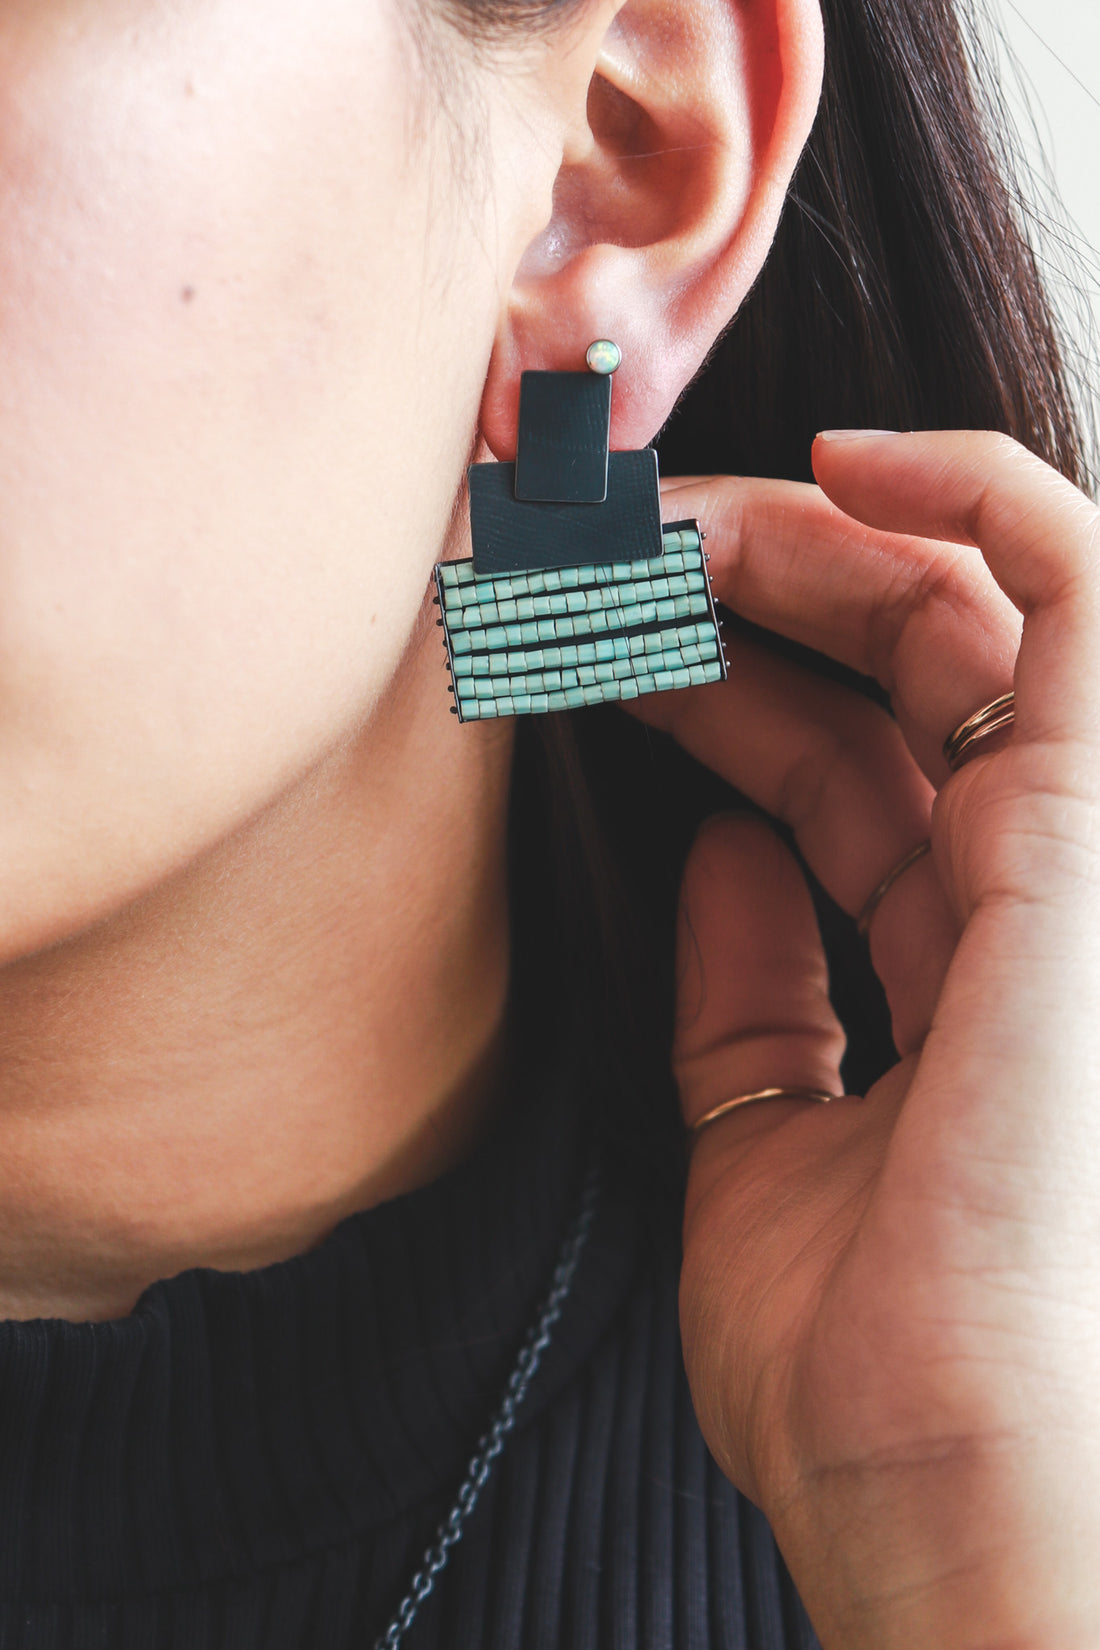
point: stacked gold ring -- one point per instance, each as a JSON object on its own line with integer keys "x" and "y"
{"x": 1001, "y": 713}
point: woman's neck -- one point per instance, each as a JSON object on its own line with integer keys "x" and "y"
{"x": 307, "y": 1020}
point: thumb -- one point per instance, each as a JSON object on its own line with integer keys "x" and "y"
{"x": 753, "y": 1007}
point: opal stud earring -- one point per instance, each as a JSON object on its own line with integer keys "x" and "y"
{"x": 575, "y": 593}
{"x": 603, "y": 356}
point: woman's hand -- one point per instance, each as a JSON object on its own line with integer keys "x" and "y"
{"x": 891, "y": 1305}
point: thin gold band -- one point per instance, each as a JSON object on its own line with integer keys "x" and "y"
{"x": 820, "y": 1095}
{"x": 1001, "y": 713}
{"x": 863, "y": 921}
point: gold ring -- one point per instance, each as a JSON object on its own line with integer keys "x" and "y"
{"x": 871, "y": 905}
{"x": 822, "y": 1096}
{"x": 1001, "y": 713}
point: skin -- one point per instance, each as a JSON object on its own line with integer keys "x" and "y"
{"x": 251, "y": 882}
{"x": 253, "y": 929}
{"x": 262, "y": 300}
{"x": 891, "y": 1305}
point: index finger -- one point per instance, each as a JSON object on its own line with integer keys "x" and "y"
{"x": 1038, "y": 535}
{"x": 927, "y": 620}
{"x": 1036, "y": 530}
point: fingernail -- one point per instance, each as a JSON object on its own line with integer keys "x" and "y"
{"x": 851, "y": 435}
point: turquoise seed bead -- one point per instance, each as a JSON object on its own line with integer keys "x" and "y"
{"x": 644, "y": 643}
{"x": 497, "y": 650}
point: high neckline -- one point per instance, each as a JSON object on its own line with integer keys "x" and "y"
{"x": 234, "y": 1421}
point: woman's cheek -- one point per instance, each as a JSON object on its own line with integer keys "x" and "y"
{"x": 235, "y": 403}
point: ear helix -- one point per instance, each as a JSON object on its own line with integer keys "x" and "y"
{"x": 575, "y": 594}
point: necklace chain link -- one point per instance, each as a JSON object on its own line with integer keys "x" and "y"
{"x": 491, "y": 1444}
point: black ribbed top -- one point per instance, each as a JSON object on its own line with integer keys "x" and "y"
{"x": 258, "y": 1461}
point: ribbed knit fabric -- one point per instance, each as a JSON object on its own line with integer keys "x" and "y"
{"x": 258, "y": 1461}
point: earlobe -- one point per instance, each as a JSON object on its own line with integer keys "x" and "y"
{"x": 698, "y": 112}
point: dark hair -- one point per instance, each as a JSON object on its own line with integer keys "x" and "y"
{"x": 901, "y": 293}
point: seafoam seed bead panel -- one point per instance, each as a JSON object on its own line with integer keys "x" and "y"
{"x": 562, "y": 638}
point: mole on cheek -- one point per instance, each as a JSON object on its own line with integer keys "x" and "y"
{"x": 187, "y": 294}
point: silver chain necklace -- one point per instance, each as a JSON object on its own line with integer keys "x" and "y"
{"x": 538, "y": 1337}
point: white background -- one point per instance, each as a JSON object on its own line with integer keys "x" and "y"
{"x": 1052, "y": 84}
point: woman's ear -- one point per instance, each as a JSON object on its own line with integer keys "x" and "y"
{"x": 697, "y": 113}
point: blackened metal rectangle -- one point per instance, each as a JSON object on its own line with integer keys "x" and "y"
{"x": 512, "y": 535}
{"x": 564, "y": 429}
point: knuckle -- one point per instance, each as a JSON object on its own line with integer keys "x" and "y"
{"x": 833, "y": 761}
{"x": 1023, "y": 501}
{"x": 943, "y": 583}
{"x": 804, "y": 786}
{"x": 999, "y": 461}
{"x": 1003, "y": 448}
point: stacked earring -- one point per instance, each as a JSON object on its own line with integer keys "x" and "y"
{"x": 575, "y": 594}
